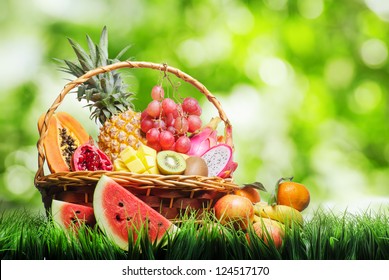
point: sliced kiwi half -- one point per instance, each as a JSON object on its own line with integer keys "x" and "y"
{"x": 170, "y": 163}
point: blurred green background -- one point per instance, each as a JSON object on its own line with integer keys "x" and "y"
{"x": 304, "y": 83}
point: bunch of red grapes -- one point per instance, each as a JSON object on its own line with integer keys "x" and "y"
{"x": 167, "y": 124}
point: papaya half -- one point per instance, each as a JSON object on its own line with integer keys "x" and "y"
{"x": 64, "y": 135}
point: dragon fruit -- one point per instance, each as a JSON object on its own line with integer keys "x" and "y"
{"x": 219, "y": 160}
{"x": 205, "y": 139}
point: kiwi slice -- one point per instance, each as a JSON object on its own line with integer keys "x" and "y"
{"x": 170, "y": 163}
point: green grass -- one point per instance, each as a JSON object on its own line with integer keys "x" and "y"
{"x": 24, "y": 235}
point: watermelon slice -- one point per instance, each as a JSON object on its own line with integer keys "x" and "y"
{"x": 118, "y": 212}
{"x": 70, "y": 215}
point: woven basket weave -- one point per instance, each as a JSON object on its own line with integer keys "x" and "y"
{"x": 166, "y": 193}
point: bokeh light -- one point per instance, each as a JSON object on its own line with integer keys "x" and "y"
{"x": 374, "y": 53}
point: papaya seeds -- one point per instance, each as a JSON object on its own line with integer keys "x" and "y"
{"x": 64, "y": 135}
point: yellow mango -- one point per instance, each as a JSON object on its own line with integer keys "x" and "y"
{"x": 153, "y": 170}
{"x": 136, "y": 166}
{"x": 128, "y": 155}
{"x": 150, "y": 161}
{"x": 146, "y": 150}
{"x": 143, "y": 160}
{"x": 119, "y": 165}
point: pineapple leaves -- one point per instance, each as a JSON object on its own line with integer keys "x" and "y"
{"x": 92, "y": 49}
{"x": 83, "y": 58}
{"x": 103, "y": 45}
{"x": 122, "y": 52}
{"x": 106, "y": 93}
{"x": 120, "y": 107}
{"x": 118, "y": 83}
{"x": 74, "y": 69}
{"x": 80, "y": 93}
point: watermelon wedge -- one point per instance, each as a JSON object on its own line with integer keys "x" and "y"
{"x": 119, "y": 212}
{"x": 70, "y": 215}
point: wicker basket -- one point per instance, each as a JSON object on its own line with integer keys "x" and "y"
{"x": 165, "y": 193}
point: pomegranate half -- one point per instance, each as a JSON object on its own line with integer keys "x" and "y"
{"x": 88, "y": 157}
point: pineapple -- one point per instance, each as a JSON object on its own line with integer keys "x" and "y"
{"x": 107, "y": 97}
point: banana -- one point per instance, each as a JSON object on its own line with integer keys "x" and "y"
{"x": 281, "y": 213}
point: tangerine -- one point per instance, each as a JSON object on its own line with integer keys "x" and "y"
{"x": 250, "y": 193}
{"x": 293, "y": 194}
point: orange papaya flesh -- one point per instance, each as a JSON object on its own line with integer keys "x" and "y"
{"x": 64, "y": 135}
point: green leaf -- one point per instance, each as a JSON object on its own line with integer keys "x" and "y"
{"x": 103, "y": 45}
{"x": 82, "y": 56}
{"x": 75, "y": 69}
{"x": 80, "y": 93}
{"x": 101, "y": 58}
{"x": 120, "y": 107}
{"x": 256, "y": 185}
{"x": 122, "y": 52}
{"x": 92, "y": 49}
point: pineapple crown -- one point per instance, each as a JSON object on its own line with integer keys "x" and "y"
{"x": 105, "y": 93}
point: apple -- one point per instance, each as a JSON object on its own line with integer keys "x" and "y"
{"x": 266, "y": 228}
{"x": 234, "y": 209}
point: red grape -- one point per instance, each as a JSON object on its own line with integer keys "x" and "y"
{"x": 178, "y": 112}
{"x": 143, "y": 115}
{"x": 154, "y": 108}
{"x": 169, "y": 119}
{"x": 190, "y": 105}
{"x": 153, "y": 135}
{"x": 157, "y": 93}
{"x": 168, "y": 106}
{"x": 155, "y": 145}
{"x": 160, "y": 124}
{"x": 166, "y": 140}
{"x": 171, "y": 129}
{"x": 181, "y": 125}
{"x": 194, "y": 123}
{"x": 198, "y": 111}
{"x": 183, "y": 144}
{"x": 146, "y": 124}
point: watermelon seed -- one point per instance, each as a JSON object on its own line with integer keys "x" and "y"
{"x": 121, "y": 204}
{"x": 118, "y": 217}
{"x": 78, "y": 212}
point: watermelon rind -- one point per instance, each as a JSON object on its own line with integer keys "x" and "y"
{"x": 101, "y": 219}
{"x": 106, "y": 219}
{"x": 56, "y": 207}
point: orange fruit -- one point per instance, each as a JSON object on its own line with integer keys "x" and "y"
{"x": 250, "y": 193}
{"x": 293, "y": 194}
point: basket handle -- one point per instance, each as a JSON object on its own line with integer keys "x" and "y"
{"x": 118, "y": 65}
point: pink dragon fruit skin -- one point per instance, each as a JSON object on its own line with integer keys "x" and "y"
{"x": 219, "y": 161}
{"x": 205, "y": 139}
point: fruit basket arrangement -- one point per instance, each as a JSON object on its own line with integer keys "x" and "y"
{"x": 154, "y": 165}
{"x": 129, "y": 141}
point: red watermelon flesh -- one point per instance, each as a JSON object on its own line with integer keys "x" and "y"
{"x": 118, "y": 212}
{"x": 70, "y": 215}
